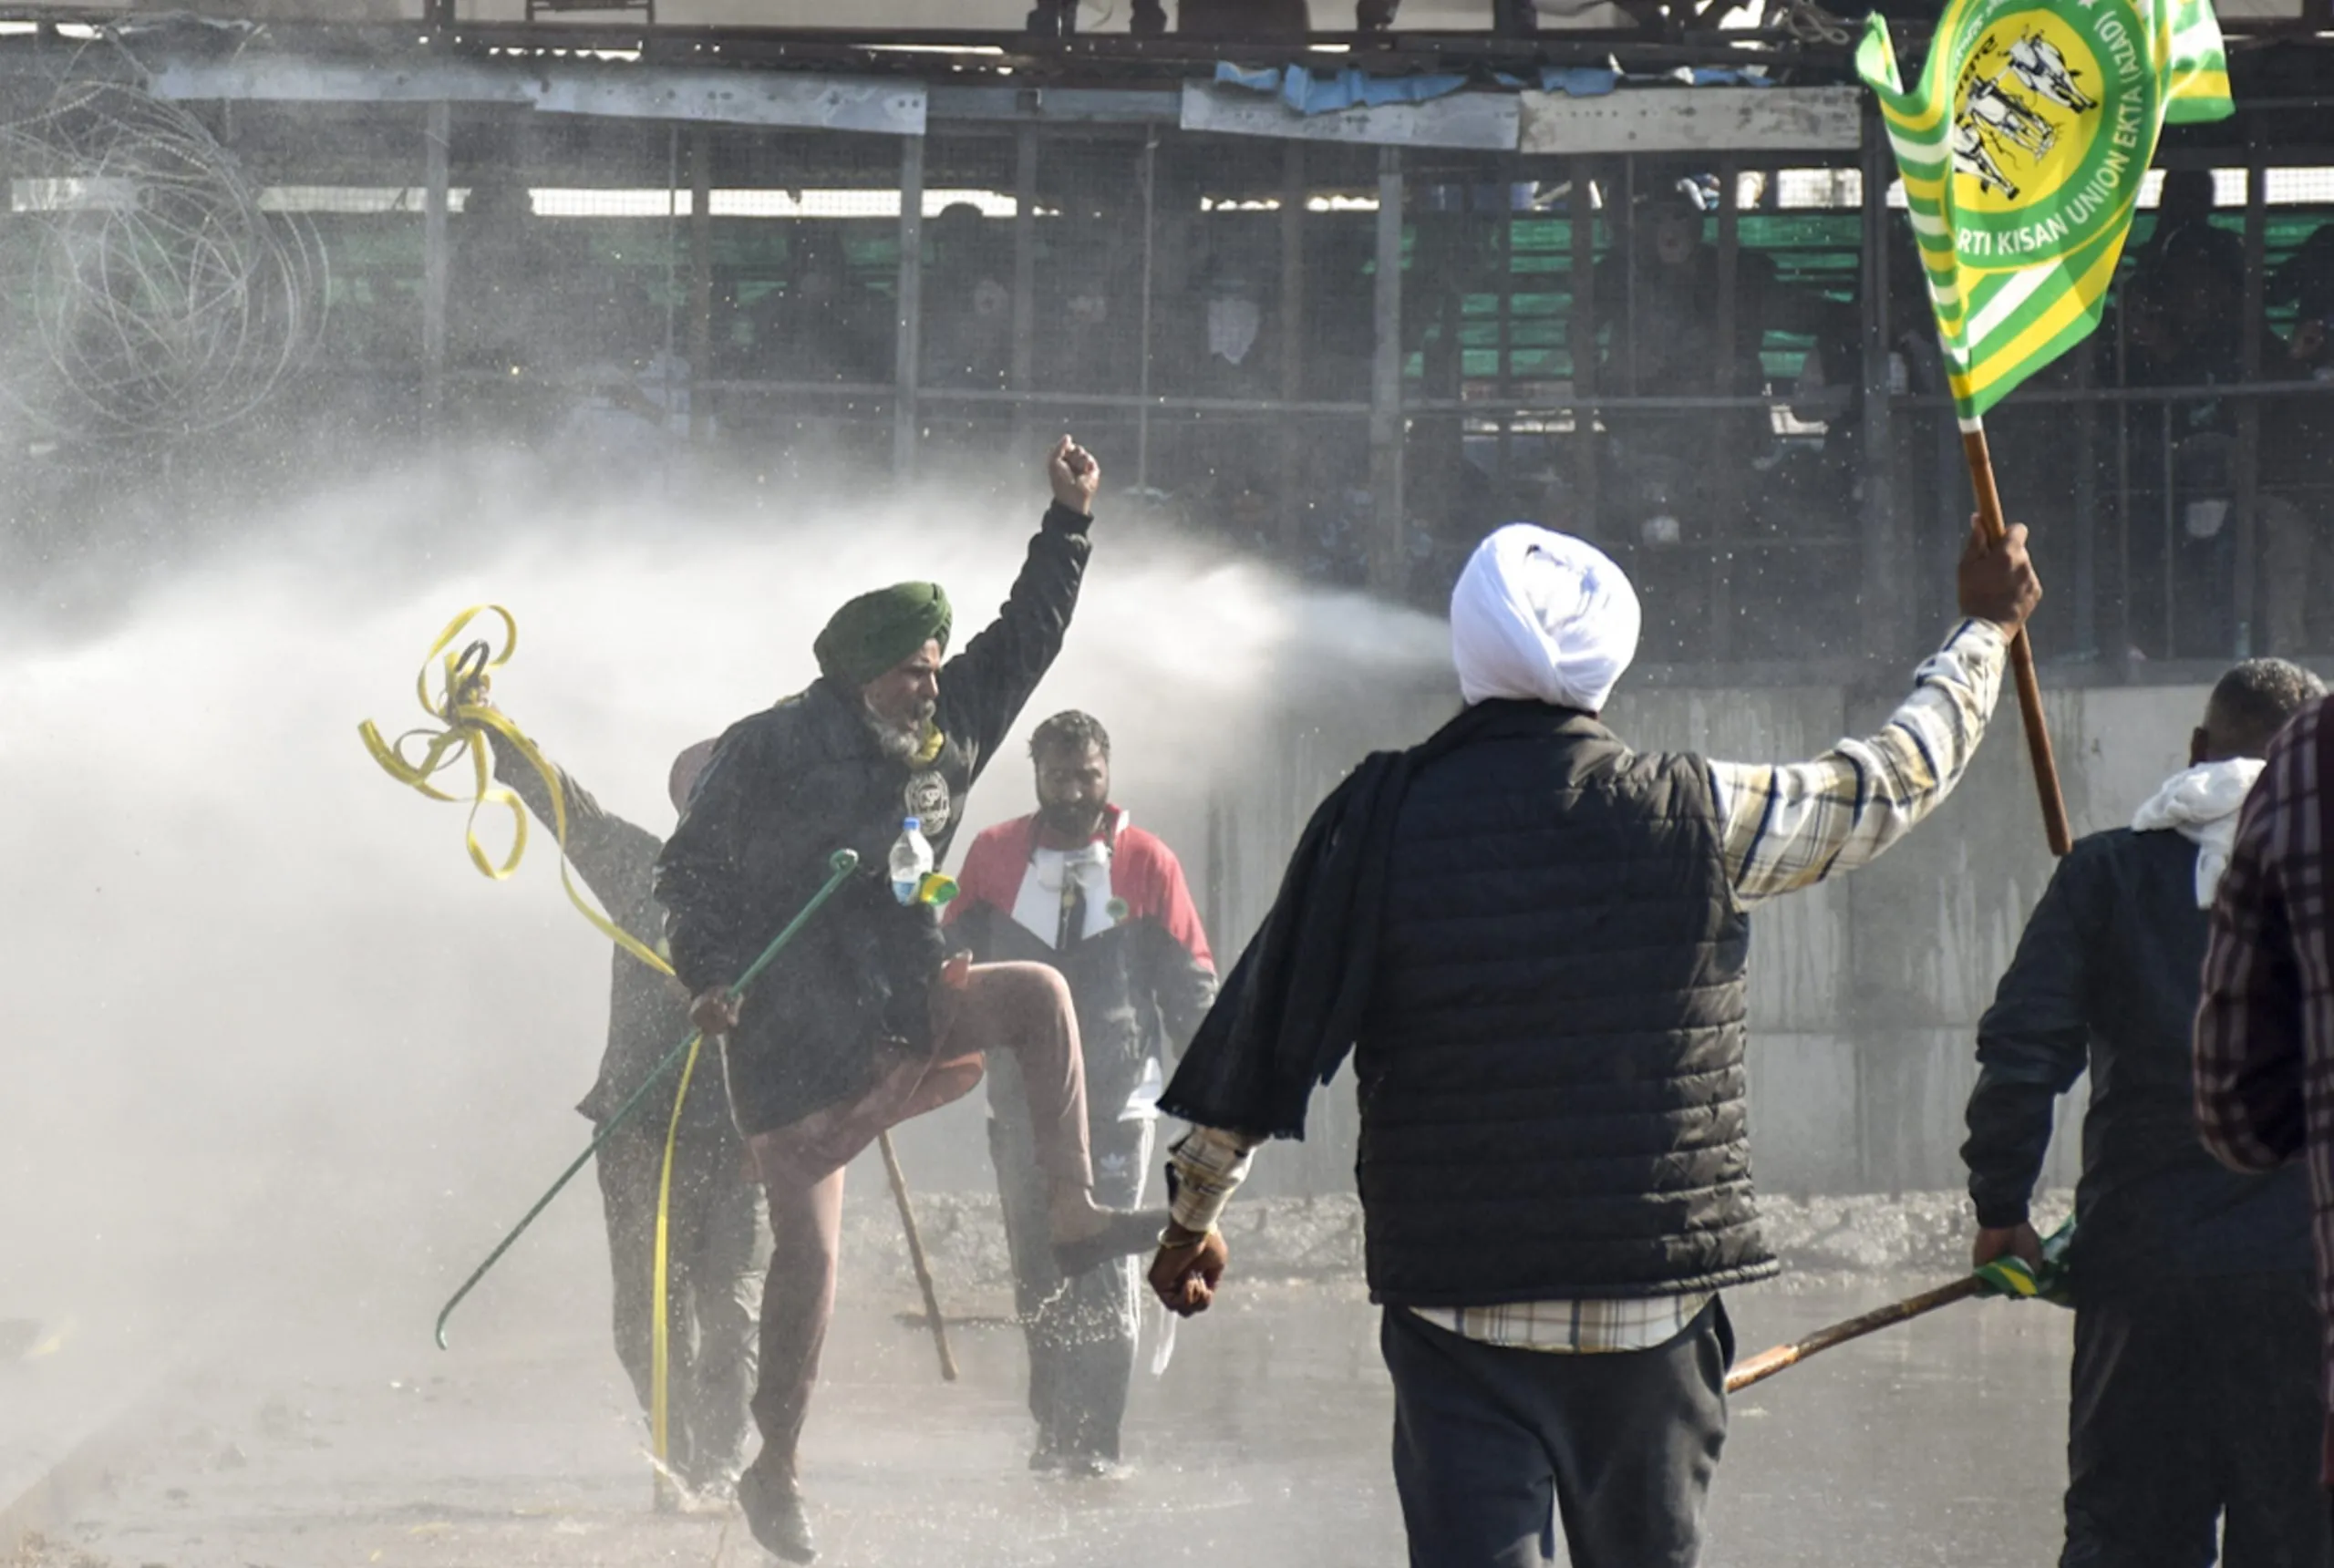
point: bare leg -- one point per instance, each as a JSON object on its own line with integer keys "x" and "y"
{"x": 1025, "y": 1008}
{"x": 798, "y": 1299}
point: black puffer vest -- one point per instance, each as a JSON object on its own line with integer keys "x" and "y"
{"x": 1553, "y": 1090}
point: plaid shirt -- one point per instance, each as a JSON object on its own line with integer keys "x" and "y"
{"x": 1783, "y": 827}
{"x": 1790, "y": 826}
{"x": 2265, "y": 1030}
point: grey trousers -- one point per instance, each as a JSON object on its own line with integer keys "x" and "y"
{"x": 1081, "y": 1333}
{"x": 1493, "y": 1447}
{"x": 718, "y": 1249}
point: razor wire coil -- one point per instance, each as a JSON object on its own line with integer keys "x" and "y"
{"x": 160, "y": 300}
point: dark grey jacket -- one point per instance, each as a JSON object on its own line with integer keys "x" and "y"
{"x": 648, "y": 1013}
{"x": 794, "y": 783}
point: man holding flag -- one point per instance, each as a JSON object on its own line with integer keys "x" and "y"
{"x": 1532, "y": 942}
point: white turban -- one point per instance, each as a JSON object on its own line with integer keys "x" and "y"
{"x": 1543, "y": 617}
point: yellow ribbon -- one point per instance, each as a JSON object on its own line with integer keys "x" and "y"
{"x": 462, "y": 731}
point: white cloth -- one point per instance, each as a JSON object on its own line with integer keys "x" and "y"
{"x": 1542, "y": 617}
{"x": 1037, "y": 908}
{"x": 2201, "y": 804}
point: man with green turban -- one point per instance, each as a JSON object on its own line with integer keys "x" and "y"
{"x": 862, "y": 1024}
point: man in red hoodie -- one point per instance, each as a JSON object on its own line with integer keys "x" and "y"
{"x": 1076, "y": 887}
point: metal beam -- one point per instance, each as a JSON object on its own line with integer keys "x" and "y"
{"x": 1883, "y": 517}
{"x": 2247, "y": 589}
{"x": 1147, "y": 174}
{"x": 1386, "y": 431}
{"x": 438, "y": 135}
{"x": 565, "y": 86}
{"x": 908, "y": 349}
{"x": 1025, "y": 275}
{"x": 1293, "y": 194}
{"x": 700, "y": 283}
{"x": 1693, "y": 119}
{"x": 1059, "y": 106}
{"x": 1481, "y": 122}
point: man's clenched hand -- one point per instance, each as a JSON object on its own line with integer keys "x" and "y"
{"x": 1076, "y": 476}
{"x": 1997, "y": 578}
{"x": 2017, "y": 1241}
{"x": 715, "y": 1012}
{"x": 1187, "y": 1270}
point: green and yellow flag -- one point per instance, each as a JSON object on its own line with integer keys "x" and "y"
{"x": 2022, "y": 147}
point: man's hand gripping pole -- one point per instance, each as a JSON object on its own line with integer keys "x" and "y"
{"x": 840, "y": 865}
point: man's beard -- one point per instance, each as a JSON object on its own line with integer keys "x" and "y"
{"x": 1075, "y": 821}
{"x": 901, "y": 741}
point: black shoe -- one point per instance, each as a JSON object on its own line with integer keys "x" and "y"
{"x": 1092, "y": 1467}
{"x": 1046, "y": 1457}
{"x": 772, "y": 1503}
{"x": 1129, "y": 1232}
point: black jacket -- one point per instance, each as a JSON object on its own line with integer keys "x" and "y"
{"x": 2107, "y": 977}
{"x": 1548, "y": 1005}
{"x": 792, "y": 785}
{"x": 648, "y": 1013}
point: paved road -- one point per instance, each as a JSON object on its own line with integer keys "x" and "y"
{"x": 1264, "y": 1444}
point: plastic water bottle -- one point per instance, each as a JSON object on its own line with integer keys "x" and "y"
{"x": 911, "y": 861}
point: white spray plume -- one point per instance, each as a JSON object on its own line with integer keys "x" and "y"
{"x": 254, "y": 988}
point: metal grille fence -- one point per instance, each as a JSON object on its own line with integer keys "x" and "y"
{"x": 1353, "y": 359}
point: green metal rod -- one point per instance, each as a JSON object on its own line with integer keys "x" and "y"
{"x": 840, "y": 864}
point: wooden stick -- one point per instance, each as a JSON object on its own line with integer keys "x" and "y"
{"x": 916, "y": 1259}
{"x": 2021, "y": 654}
{"x": 1767, "y": 1363}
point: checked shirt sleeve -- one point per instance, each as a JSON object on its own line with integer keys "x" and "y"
{"x": 1204, "y": 1168}
{"x": 2250, "y": 1056}
{"x": 1786, "y": 827}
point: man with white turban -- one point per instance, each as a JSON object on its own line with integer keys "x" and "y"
{"x": 1533, "y": 941}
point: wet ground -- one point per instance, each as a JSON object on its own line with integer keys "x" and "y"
{"x": 1265, "y": 1443}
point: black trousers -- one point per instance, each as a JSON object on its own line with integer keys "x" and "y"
{"x": 1081, "y": 1333}
{"x": 718, "y": 1249}
{"x": 1493, "y": 1447}
{"x": 2197, "y": 1413}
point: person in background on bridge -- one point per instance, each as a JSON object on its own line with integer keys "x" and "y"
{"x": 2184, "y": 235}
{"x": 1536, "y": 941}
{"x": 2195, "y": 1410}
{"x": 1078, "y": 887}
{"x": 2265, "y": 1029}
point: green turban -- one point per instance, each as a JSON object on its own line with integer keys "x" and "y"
{"x": 877, "y": 631}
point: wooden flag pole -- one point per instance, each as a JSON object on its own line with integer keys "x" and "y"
{"x": 916, "y": 1259}
{"x": 2021, "y": 653}
{"x": 1767, "y": 1363}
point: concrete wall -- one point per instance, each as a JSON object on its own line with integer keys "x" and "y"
{"x": 1866, "y": 993}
